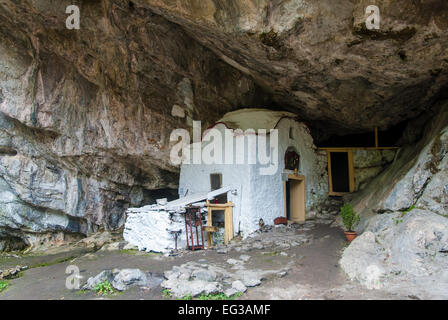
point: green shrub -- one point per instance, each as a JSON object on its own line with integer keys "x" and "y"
{"x": 399, "y": 219}
{"x": 3, "y": 285}
{"x": 104, "y": 288}
{"x": 187, "y": 297}
{"x": 349, "y": 217}
{"x": 219, "y": 296}
{"x": 166, "y": 293}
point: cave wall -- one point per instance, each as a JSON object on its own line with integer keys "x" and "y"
{"x": 370, "y": 163}
{"x": 404, "y": 217}
{"x": 417, "y": 178}
{"x": 86, "y": 117}
{"x": 86, "y": 114}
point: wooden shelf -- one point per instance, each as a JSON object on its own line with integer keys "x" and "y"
{"x": 228, "y": 220}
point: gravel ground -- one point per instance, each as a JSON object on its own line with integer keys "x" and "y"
{"x": 312, "y": 262}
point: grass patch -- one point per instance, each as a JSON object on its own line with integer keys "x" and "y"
{"x": 399, "y": 219}
{"x": 166, "y": 293}
{"x": 137, "y": 252}
{"x": 187, "y": 297}
{"x": 219, "y": 296}
{"x": 104, "y": 288}
{"x": 51, "y": 263}
{"x": 3, "y": 285}
{"x": 211, "y": 296}
{"x": 82, "y": 292}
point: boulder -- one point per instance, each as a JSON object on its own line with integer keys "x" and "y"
{"x": 204, "y": 275}
{"x": 239, "y": 286}
{"x": 127, "y": 278}
{"x": 105, "y": 275}
{"x": 249, "y": 278}
{"x": 398, "y": 247}
{"x": 181, "y": 288}
{"x": 361, "y": 256}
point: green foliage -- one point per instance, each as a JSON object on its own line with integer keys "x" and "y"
{"x": 3, "y": 285}
{"x": 219, "y": 296}
{"x": 82, "y": 292}
{"x": 211, "y": 296}
{"x": 187, "y": 297}
{"x": 408, "y": 210}
{"x": 403, "y": 213}
{"x": 104, "y": 288}
{"x": 136, "y": 252}
{"x": 166, "y": 293}
{"x": 349, "y": 217}
{"x": 50, "y": 263}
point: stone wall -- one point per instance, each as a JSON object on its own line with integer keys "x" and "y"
{"x": 369, "y": 163}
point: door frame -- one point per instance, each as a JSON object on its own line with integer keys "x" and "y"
{"x": 301, "y": 190}
{"x": 351, "y": 171}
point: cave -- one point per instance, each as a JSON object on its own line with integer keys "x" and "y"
{"x": 91, "y": 117}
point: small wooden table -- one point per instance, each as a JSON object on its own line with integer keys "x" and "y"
{"x": 228, "y": 221}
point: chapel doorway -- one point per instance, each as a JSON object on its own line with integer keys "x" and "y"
{"x": 294, "y": 188}
{"x": 295, "y": 198}
{"x": 340, "y": 172}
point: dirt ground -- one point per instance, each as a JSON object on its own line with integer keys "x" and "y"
{"x": 314, "y": 273}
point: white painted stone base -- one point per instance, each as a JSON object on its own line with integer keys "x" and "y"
{"x": 148, "y": 229}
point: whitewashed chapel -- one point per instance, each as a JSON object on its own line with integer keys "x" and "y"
{"x": 264, "y": 162}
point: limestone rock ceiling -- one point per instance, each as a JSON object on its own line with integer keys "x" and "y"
{"x": 318, "y": 59}
{"x": 314, "y": 58}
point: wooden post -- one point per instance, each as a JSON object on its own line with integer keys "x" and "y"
{"x": 376, "y": 137}
{"x": 209, "y": 223}
{"x": 228, "y": 232}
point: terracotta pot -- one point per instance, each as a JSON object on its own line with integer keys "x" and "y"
{"x": 350, "y": 235}
{"x": 281, "y": 220}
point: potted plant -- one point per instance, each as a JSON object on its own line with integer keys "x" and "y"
{"x": 350, "y": 219}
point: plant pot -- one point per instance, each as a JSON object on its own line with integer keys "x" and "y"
{"x": 280, "y": 220}
{"x": 350, "y": 235}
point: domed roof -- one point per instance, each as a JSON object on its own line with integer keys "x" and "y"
{"x": 254, "y": 119}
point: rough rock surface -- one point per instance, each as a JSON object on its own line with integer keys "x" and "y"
{"x": 193, "y": 278}
{"x": 279, "y": 237}
{"x": 12, "y": 272}
{"x": 369, "y": 163}
{"x": 397, "y": 249}
{"x": 85, "y": 115}
{"x": 417, "y": 177}
{"x": 123, "y": 279}
{"x": 315, "y": 56}
{"x": 129, "y": 277}
{"x": 404, "y": 215}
